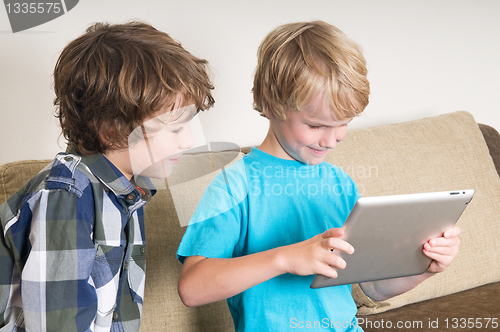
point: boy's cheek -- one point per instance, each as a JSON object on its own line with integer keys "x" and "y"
{"x": 343, "y": 135}
{"x": 151, "y": 160}
{"x": 140, "y": 157}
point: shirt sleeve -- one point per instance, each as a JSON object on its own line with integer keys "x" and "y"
{"x": 55, "y": 289}
{"x": 219, "y": 221}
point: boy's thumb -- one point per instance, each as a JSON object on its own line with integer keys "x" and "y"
{"x": 333, "y": 232}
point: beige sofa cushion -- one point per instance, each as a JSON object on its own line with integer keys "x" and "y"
{"x": 14, "y": 175}
{"x": 447, "y": 152}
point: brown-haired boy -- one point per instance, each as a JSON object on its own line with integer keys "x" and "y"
{"x": 268, "y": 223}
{"x": 73, "y": 242}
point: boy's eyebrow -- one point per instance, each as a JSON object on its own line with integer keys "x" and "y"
{"x": 187, "y": 115}
{"x": 320, "y": 124}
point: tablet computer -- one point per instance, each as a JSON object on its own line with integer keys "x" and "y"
{"x": 388, "y": 234}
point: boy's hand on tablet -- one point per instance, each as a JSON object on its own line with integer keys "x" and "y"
{"x": 443, "y": 250}
{"x": 315, "y": 256}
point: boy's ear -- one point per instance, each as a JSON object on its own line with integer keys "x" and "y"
{"x": 107, "y": 135}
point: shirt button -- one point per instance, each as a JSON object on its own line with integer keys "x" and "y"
{"x": 125, "y": 266}
{"x": 115, "y": 315}
{"x": 68, "y": 158}
{"x": 143, "y": 249}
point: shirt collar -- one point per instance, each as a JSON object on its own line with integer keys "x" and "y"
{"x": 112, "y": 178}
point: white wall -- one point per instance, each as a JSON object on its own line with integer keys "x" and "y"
{"x": 425, "y": 58}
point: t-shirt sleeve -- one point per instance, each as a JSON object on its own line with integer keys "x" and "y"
{"x": 218, "y": 222}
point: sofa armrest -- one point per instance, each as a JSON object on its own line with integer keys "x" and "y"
{"x": 446, "y": 313}
{"x": 492, "y": 138}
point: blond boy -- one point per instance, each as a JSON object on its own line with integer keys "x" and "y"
{"x": 267, "y": 224}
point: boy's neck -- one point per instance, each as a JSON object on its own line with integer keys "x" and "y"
{"x": 272, "y": 146}
{"x": 121, "y": 160}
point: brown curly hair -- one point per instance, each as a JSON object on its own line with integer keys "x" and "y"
{"x": 113, "y": 77}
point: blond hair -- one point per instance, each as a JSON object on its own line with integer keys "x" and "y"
{"x": 299, "y": 60}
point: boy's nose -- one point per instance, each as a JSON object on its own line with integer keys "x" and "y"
{"x": 329, "y": 139}
{"x": 187, "y": 140}
{"x": 333, "y": 136}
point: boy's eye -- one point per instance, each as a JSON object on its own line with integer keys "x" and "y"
{"x": 176, "y": 131}
{"x": 314, "y": 127}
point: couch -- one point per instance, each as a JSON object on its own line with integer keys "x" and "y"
{"x": 446, "y": 152}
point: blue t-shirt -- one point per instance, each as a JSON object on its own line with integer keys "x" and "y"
{"x": 263, "y": 202}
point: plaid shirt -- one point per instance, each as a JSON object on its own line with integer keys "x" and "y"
{"x": 72, "y": 250}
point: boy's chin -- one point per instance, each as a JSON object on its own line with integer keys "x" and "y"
{"x": 159, "y": 170}
{"x": 310, "y": 161}
{"x": 313, "y": 162}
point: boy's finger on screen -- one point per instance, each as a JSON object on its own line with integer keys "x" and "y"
{"x": 334, "y": 243}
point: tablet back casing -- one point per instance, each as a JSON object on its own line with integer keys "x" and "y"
{"x": 388, "y": 234}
